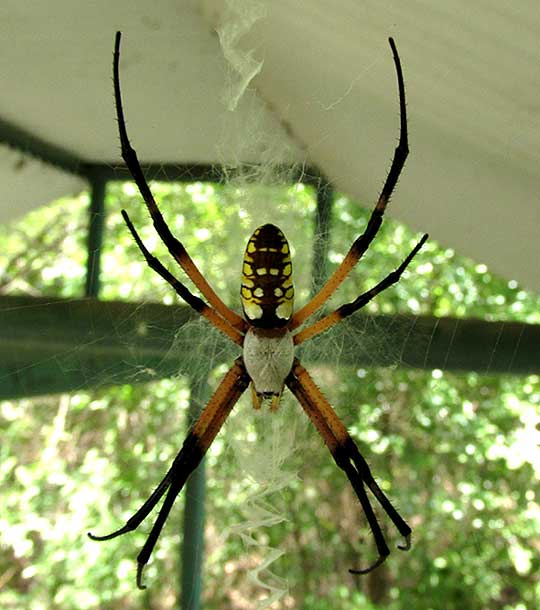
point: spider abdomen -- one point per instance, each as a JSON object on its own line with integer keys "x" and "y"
{"x": 268, "y": 356}
{"x": 267, "y": 291}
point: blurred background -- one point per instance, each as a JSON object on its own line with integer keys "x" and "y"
{"x": 456, "y": 451}
{"x": 244, "y": 113}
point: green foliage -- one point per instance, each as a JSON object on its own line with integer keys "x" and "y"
{"x": 458, "y": 453}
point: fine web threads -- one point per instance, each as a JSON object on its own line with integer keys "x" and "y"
{"x": 264, "y": 444}
{"x": 239, "y": 18}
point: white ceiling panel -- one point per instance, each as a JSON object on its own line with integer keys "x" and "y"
{"x": 321, "y": 89}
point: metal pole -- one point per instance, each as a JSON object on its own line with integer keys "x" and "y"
{"x": 95, "y": 234}
{"x": 192, "y": 551}
{"x": 321, "y": 242}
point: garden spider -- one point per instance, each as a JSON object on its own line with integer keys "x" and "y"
{"x": 266, "y": 336}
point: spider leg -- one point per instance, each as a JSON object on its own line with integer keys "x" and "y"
{"x": 193, "y": 450}
{"x": 133, "y": 522}
{"x": 347, "y": 457}
{"x": 362, "y": 242}
{"x": 349, "y": 308}
{"x": 176, "y": 248}
{"x": 174, "y": 489}
{"x": 192, "y": 300}
{"x": 364, "y": 470}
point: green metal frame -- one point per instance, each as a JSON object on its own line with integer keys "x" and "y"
{"x": 53, "y": 345}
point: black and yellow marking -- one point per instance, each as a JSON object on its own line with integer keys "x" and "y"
{"x": 267, "y": 290}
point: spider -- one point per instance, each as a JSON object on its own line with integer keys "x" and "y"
{"x": 268, "y": 339}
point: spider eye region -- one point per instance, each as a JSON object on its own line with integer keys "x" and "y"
{"x": 267, "y": 291}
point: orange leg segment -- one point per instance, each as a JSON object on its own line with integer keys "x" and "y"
{"x": 363, "y": 241}
{"x": 349, "y": 308}
{"x": 175, "y": 247}
{"x": 193, "y": 301}
{"x": 193, "y": 450}
{"x": 347, "y": 457}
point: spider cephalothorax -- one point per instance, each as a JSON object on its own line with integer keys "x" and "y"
{"x": 268, "y": 338}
